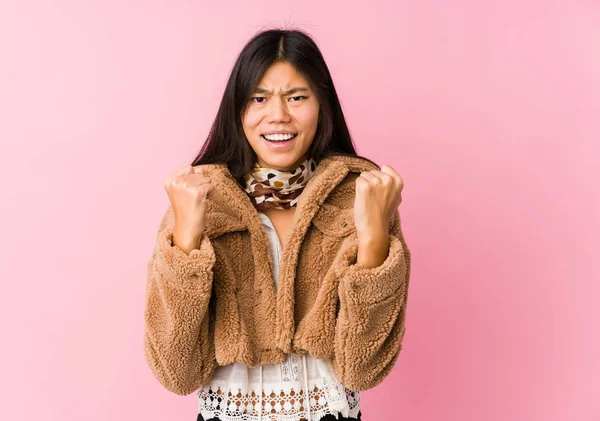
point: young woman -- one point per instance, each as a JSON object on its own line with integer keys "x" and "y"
{"x": 278, "y": 284}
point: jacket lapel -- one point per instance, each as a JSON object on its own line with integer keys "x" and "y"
{"x": 328, "y": 174}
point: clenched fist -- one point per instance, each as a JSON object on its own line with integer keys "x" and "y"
{"x": 378, "y": 195}
{"x": 188, "y": 189}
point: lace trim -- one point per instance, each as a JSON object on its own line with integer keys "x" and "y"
{"x": 279, "y": 406}
{"x": 289, "y": 369}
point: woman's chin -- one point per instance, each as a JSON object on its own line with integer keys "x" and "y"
{"x": 282, "y": 162}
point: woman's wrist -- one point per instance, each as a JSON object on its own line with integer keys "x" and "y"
{"x": 184, "y": 240}
{"x": 373, "y": 250}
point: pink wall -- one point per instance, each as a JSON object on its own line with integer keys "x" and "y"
{"x": 489, "y": 110}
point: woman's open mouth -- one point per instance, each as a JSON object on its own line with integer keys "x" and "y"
{"x": 280, "y": 141}
{"x": 279, "y": 138}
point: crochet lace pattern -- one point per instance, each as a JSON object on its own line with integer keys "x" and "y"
{"x": 284, "y": 405}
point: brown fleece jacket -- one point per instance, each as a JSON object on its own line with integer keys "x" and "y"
{"x": 219, "y": 305}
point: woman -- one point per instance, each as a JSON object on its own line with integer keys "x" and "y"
{"x": 278, "y": 284}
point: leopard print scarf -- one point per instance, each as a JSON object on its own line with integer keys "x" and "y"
{"x": 272, "y": 188}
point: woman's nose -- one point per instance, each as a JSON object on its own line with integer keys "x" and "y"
{"x": 278, "y": 110}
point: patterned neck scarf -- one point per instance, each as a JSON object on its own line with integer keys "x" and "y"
{"x": 272, "y": 188}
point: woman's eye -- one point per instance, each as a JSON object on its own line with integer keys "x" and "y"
{"x": 256, "y": 98}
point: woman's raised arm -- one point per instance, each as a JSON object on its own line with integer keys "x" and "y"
{"x": 178, "y": 336}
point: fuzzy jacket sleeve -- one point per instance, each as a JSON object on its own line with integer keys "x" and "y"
{"x": 178, "y": 345}
{"x": 370, "y": 324}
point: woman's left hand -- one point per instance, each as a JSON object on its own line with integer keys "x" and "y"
{"x": 378, "y": 195}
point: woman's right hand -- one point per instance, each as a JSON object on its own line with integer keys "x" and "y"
{"x": 188, "y": 189}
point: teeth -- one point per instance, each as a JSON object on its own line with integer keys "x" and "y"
{"x": 278, "y": 136}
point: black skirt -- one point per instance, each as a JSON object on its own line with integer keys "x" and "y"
{"x": 328, "y": 417}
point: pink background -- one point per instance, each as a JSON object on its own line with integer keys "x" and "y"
{"x": 489, "y": 110}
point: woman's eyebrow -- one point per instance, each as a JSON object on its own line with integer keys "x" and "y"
{"x": 291, "y": 91}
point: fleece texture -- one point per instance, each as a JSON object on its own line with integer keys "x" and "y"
{"x": 219, "y": 305}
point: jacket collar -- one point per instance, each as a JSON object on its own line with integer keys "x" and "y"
{"x": 230, "y": 209}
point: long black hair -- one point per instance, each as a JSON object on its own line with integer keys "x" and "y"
{"x": 226, "y": 141}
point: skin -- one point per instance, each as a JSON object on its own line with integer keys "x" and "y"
{"x": 279, "y": 110}
{"x": 378, "y": 193}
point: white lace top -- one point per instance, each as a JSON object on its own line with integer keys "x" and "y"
{"x": 277, "y": 392}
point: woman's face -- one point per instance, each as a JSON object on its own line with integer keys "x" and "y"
{"x": 284, "y": 103}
